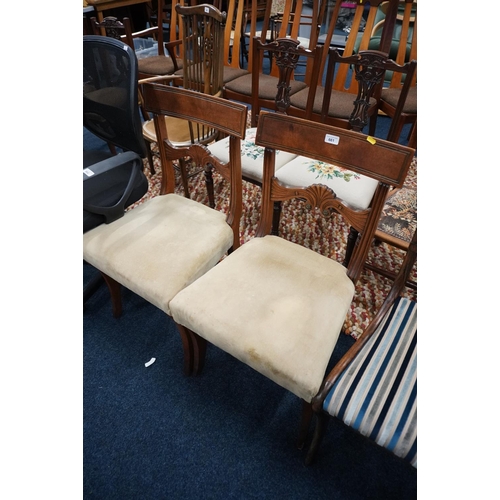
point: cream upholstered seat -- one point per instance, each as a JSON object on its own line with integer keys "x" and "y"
{"x": 164, "y": 244}
{"x": 182, "y": 237}
{"x": 273, "y": 304}
{"x": 282, "y": 304}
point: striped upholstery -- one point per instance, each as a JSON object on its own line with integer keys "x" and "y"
{"x": 377, "y": 394}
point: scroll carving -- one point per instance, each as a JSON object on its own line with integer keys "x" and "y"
{"x": 369, "y": 72}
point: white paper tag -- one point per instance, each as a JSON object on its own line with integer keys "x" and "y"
{"x": 207, "y": 10}
{"x": 332, "y": 139}
{"x": 88, "y": 172}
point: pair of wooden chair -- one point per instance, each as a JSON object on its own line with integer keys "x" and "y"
{"x": 273, "y": 304}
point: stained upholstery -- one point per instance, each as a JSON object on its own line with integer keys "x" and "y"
{"x": 291, "y": 305}
{"x": 159, "y": 247}
{"x": 377, "y": 394}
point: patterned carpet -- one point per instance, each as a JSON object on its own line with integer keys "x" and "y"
{"x": 300, "y": 225}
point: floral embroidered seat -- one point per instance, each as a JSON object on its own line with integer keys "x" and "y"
{"x": 252, "y": 156}
{"x": 355, "y": 189}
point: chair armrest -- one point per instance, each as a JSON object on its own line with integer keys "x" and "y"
{"x": 102, "y": 177}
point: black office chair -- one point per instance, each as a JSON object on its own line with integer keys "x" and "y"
{"x": 112, "y": 180}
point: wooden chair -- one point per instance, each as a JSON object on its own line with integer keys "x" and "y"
{"x": 273, "y": 304}
{"x": 160, "y": 63}
{"x": 203, "y": 45}
{"x": 339, "y": 79}
{"x": 286, "y": 53}
{"x": 401, "y": 110}
{"x": 373, "y": 388}
{"x": 160, "y": 246}
{"x": 243, "y": 89}
{"x": 233, "y": 67}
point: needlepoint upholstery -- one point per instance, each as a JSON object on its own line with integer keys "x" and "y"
{"x": 354, "y": 189}
{"x": 377, "y": 394}
{"x": 291, "y": 303}
{"x": 160, "y": 246}
{"x": 252, "y": 156}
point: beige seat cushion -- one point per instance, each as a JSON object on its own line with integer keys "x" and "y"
{"x": 252, "y": 156}
{"x": 274, "y": 305}
{"x": 355, "y": 189}
{"x": 159, "y": 247}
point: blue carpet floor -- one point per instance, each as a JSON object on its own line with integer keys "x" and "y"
{"x": 152, "y": 433}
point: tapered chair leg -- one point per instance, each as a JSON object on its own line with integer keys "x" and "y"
{"x": 305, "y": 422}
{"x": 276, "y": 218}
{"x": 199, "y": 353}
{"x": 184, "y": 177}
{"x": 209, "y": 183}
{"x": 115, "y": 290}
{"x": 187, "y": 346}
{"x": 322, "y": 420}
{"x": 195, "y": 348}
{"x": 351, "y": 243}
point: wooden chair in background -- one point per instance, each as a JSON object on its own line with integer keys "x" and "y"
{"x": 167, "y": 242}
{"x": 373, "y": 388}
{"x": 242, "y": 89}
{"x": 286, "y": 53}
{"x": 273, "y": 304}
{"x": 404, "y": 48}
{"x": 203, "y": 48}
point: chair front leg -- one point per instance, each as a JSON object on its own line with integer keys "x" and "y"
{"x": 187, "y": 347}
{"x": 351, "y": 243}
{"x": 305, "y": 421}
{"x": 116, "y": 294}
{"x": 322, "y": 420}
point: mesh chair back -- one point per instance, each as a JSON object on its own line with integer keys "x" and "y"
{"x": 110, "y": 100}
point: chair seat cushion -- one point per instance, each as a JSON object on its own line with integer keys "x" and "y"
{"x": 274, "y": 305}
{"x": 341, "y": 103}
{"x": 230, "y": 73}
{"x": 158, "y": 248}
{"x": 268, "y": 86}
{"x": 180, "y": 132}
{"x": 391, "y": 97}
{"x": 354, "y": 189}
{"x": 252, "y": 156}
{"x": 377, "y": 393}
{"x": 157, "y": 65}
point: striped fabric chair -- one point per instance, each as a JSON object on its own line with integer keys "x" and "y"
{"x": 373, "y": 388}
